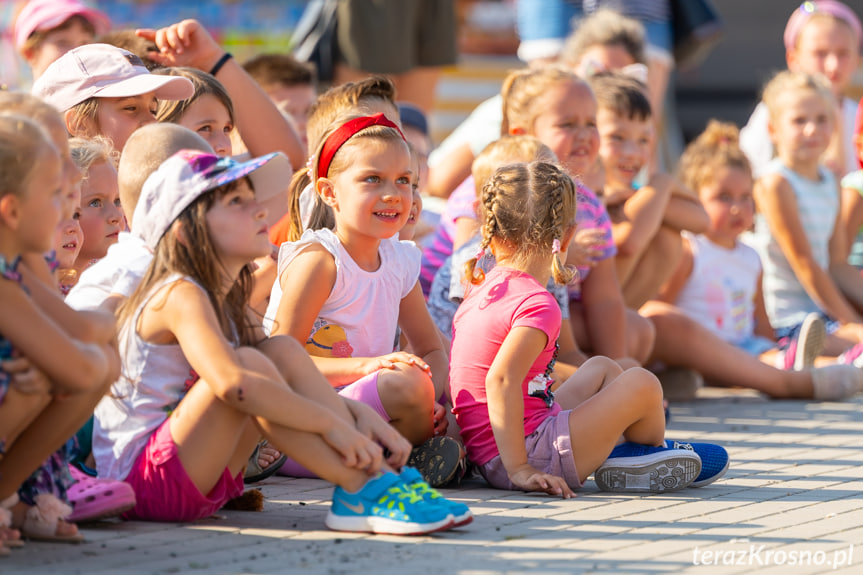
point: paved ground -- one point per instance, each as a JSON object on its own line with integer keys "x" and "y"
{"x": 790, "y": 503}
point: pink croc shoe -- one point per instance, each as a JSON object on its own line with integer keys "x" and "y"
{"x": 93, "y": 498}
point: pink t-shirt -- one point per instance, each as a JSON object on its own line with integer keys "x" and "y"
{"x": 506, "y": 299}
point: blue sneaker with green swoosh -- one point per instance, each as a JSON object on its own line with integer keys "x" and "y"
{"x": 386, "y": 505}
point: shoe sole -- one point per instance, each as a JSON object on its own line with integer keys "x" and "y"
{"x": 438, "y": 461}
{"x": 654, "y": 473}
{"x": 712, "y": 478}
{"x": 384, "y": 526}
{"x": 810, "y": 342}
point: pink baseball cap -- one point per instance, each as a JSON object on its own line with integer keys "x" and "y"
{"x": 104, "y": 71}
{"x": 185, "y": 176}
{"x": 39, "y": 15}
{"x": 805, "y": 11}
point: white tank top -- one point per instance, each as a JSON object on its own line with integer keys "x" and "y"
{"x": 721, "y": 289}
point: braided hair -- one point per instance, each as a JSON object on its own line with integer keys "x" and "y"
{"x": 529, "y": 207}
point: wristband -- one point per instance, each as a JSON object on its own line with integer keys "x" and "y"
{"x": 225, "y": 57}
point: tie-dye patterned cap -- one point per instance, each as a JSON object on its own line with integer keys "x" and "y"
{"x": 183, "y": 177}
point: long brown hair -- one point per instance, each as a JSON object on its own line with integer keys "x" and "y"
{"x": 195, "y": 256}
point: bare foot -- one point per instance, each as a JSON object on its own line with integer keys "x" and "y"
{"x": 267, "y": 455}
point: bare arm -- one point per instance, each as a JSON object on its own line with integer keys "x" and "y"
{"x": 775, "y": 199}
{"x": 259, "y": 122}
{"x": 604, "y": 310}
{"x": 506, "y": 409}
{"x": 452, "y": 170}
{"x": 684, "y": 210}
{"x": 70, "y": 364}
{"x": 641, "y": 216}
{"x": 671, "y": 290}
{"x": 762, "y": 322}
{"x": 424, "y": 338}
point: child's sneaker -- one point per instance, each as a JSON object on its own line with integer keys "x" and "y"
{"x": 386, "y": 505}
{"x": 714, "y": 460}
{"x": 835, "y": 382}
{"x": 437, "y": 459}
{"x": 636, "y": 468}
{"x": 853, "y": 356}
{"x": 808, "y": 343}
{"x": 460, "y": 512}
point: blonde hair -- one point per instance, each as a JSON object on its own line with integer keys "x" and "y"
{"x": 788, "y": 81}
{"x": 204, "y": 84}
{"x": 605, "y": 27}
{"x": 322, "y": 216}
{"x": 717, "y": 147}
{"x": 527, "y": 206}
{"x": 522, "y": 94}
{"x": 34, "y": 108}
{"x": 88, "y": 151}
{"x": 22, "y": 141}
{"x": 144, "y": 152}
{"x": 349, "y": 98}
{"x": 507, "y": 150}
{"x": 82, "y": 113}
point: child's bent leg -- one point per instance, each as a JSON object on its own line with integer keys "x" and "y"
{"x": 640, "y": 335}
{"x": 681, "y": 341}
{"x": 635, "y": 400}
{"x": 300, "y": 373}
{"x": 56, "y": 421}
{"x": 592, "y": 376}
{"x": 212, "y": 436}
{"x": 407, "y": 394}
{"x": 653, "y": 269}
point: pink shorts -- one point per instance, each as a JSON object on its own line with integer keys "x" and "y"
{"x": 549, "y": 449}
{"x": 164, "y": 490}
{"x": 365, "y": 390}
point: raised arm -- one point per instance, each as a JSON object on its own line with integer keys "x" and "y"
{"x": 260, "y": 123}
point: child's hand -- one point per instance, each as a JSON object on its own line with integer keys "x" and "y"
{"x": 529, "y": 478}
{"x": 370, "y": 424}
{"x": 185, "y": 43}
{"x": 358, "y": 451}
{"x": 25, "y": 378}
{"x": 389, "y": 361}
{"x": 440, "y": 421}
{"x": 586, "y": 248}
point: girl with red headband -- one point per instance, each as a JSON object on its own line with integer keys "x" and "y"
{"x": 345, "y": 289}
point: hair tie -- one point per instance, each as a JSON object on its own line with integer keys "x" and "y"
{"x": 479, "y": 253}
{"x": 309, "y": 162}
{"x": 344, "y": 133}
{"x": 555, "y": 246}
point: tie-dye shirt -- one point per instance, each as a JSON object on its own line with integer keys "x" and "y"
{"x": 459, "y": 205}
{"x": 591, "y": 215}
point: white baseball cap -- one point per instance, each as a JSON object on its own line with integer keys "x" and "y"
{"x": 185, "y": 176}
{"x": 104, "y": 71}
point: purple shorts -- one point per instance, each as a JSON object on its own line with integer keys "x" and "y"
{"x": 549, "y": 450}
{"x": 364, "y": 390}
{"x": 164, "y": 490}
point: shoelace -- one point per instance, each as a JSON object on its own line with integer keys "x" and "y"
{"x": 395, "y": 495}
{"x": 422, "y": 488}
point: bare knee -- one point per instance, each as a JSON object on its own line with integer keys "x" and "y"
{"x": 605, "y": 365}
{"x": 640, "y": 383}
{"x": 642, "y": 334}
{"x": 408, "y": 387}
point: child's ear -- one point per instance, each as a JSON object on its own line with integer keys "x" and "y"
{"x": 9, "y": 213}
{"x": 327, "y": 191}
{"x": 75, "y": 125}
{"x": 180, "y": 231}
{"x": 476, "y": 206}
{"x": 569, "y": 234}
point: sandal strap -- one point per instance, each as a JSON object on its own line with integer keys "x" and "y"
{"x": 42, "y": 518}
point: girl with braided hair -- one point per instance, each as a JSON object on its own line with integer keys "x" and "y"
{"x": 520, "y": 433}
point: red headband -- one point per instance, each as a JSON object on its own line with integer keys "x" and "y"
{"x": 344, "y": 133}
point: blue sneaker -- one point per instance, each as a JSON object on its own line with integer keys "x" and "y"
{"x": 386, "y": 505}
{"x": 461, "y": 513}
{"x": 636, "y": 468}
{"x": 714, "y": 460}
